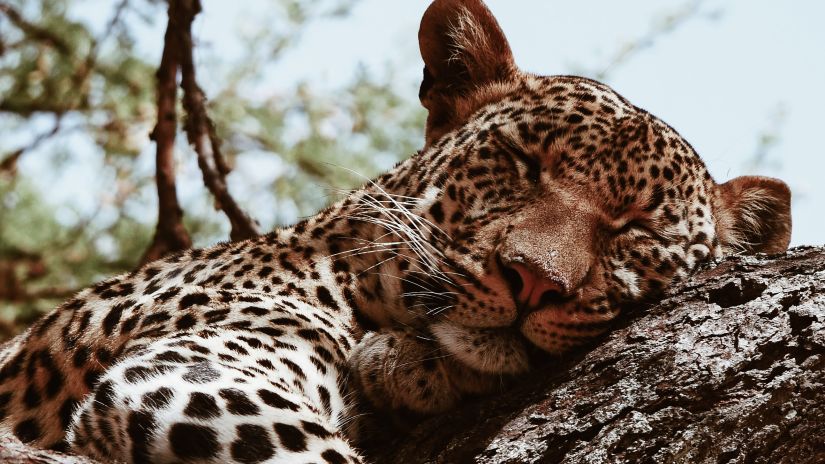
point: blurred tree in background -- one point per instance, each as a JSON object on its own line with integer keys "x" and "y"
{"x": 91, "y": 98}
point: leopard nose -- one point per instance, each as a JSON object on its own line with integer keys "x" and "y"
{"x": 531, "y": 287}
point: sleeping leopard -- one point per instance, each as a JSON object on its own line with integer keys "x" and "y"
{"x": 538, "y": 207}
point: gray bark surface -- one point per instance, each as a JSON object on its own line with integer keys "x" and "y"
{"x": 729, "y": 368}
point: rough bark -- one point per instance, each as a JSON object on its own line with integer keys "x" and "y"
{"x": 730, "y": 368}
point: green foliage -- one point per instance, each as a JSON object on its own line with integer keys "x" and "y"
{"x": 43, "y": 261}
{"x": 54, "y": 65}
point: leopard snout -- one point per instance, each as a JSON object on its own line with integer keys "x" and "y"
{"x": 533, "y": 287}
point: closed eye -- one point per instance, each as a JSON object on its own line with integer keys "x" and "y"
{"x": 636, "y": 225}
{"x": 531, "y": 163}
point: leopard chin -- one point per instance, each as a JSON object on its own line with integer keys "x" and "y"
{"x": 490, "y": 351}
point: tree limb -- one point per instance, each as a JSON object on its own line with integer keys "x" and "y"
{"x": 201, "y": 131}
{"x": 170, "y": 234}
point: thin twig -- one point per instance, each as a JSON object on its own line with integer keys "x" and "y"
{"x": 664, "y": 26}
{"x": 83, "y": 73}
{"x": 8, "y": 165}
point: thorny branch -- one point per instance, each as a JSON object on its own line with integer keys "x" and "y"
{"x": 201, "y": 131}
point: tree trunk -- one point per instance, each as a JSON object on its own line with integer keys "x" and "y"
{"x": 730, "y": 368}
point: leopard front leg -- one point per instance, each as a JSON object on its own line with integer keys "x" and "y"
{"x": 400, "y": 370}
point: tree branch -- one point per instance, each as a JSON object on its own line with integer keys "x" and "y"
{"x": 170, "y": 234}
{"x": 201, "y": 131}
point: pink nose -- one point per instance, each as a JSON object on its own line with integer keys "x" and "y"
{"x": 533, "y": 285}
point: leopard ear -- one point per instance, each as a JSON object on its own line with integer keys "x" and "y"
{"x": 463, "y": 49}
{"x": 754, "y": 214}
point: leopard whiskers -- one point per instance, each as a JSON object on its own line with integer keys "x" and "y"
{"x": 408, "y": 235}
{"x": 412, "y": 231}
{"x": 443, "y": 355}
{"x": 425, "y": 291}
{"x": 439, "y": 310}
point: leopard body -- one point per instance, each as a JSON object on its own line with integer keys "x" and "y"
{"x": 538, "y": 208}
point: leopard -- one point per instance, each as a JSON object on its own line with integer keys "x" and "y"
{"x": 537, "y": 208}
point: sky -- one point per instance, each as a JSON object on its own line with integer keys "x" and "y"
{"x": 735, "y": 70}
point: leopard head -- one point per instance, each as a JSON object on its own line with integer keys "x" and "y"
{"x": 555, "y": 200}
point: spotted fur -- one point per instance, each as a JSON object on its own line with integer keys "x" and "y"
{"x": 538, "y": 207}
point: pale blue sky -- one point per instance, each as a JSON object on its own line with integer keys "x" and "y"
{"x": 738, "y": 68}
